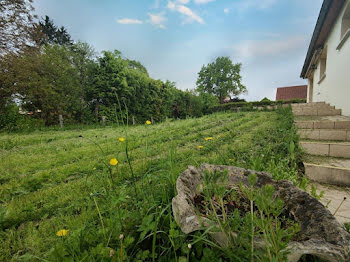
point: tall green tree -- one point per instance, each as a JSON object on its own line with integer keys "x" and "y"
{"x": 109, "y": 83}
{"x": 122, "y": 85}
{"x": 83, "y": 59}
{"x": 45, "y": 81}
{"x": 52, "y": 34}
{"x": 221, "y": 78}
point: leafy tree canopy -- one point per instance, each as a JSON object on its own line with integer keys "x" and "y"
{"x": 132, "y": 64}
{"x": 221, "y": 78}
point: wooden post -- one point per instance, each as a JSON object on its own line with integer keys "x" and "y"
{"x": 60, "y": 118}
{"x": 133, "y": 120}
{"x": 104, "y": 120}
{"x": 152, "y": 120}
{"x": 166, "y": 119}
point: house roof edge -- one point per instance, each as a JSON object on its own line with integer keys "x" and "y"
{"x": 322, "y": 17}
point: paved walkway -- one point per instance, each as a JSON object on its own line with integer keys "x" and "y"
{"x": 332, "y": 198}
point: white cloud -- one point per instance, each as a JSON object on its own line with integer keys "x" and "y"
{"x": 203, "y": 1}
{"x": 186, "y": 11}
{"x": 260, "y": 48}
{"x": 128, "y": 21}
{"x": 227, "y": 10}
{"x": 157, "y": 20}
{"x": 190, "y": 14}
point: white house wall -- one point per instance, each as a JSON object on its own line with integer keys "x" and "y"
{"x": 335, "y": 87}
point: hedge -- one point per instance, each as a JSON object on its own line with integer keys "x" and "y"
{"x": 251, "y": 105}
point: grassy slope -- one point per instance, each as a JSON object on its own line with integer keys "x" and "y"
{"x": 56, "y": 179}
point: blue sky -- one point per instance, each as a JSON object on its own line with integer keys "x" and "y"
{"x": 174, "y": 38}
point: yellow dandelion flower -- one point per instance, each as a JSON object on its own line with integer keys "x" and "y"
{"x": 148, "y": 122}
{"x": 121, "y": 139}
{"x": 199, "y": 147}
{"x": 94, "y": 168}
{"x": 208, "y": 138}
{"x": 113, "y": 162}
{"x": 62, "y": 233}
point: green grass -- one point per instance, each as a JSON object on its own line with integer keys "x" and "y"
{"x": 52, "y": 180}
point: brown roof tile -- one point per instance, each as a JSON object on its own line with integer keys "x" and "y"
{"x": 291, "y": 92}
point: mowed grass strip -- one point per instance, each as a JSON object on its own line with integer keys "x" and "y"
{"x": 48, "y": 181}
{"x": 27, "y": 162}
{"x": 21, "y": 159}
{"x": 82, "y": 165}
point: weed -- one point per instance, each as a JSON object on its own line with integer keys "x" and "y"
{"x": 252, "y": 221}
{"x": 347, "y": 227}
{"x": 314, "y": 193}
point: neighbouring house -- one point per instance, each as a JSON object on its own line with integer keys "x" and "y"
{"x": 327, "y": 63}
{"x": 291, "y": 92}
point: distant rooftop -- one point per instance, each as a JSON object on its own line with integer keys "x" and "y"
{"x": 291, "y": 92}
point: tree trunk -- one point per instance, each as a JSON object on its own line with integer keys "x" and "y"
{"x": 221, "y": 99}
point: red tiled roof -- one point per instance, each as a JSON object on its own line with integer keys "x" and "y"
{"x": 291, "y": 92}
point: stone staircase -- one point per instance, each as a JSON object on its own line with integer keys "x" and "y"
{"x": 325, "y": 137}
{"x": 315, "y": 109}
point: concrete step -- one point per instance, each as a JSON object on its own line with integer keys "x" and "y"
{"x": 316, "y": 112}
{"x": 313, "y": 107}
{"x": 334, "y": 171}
{"x": 323, "y": 124}
{"x": 306, "y": 106}
{"x": 317, "y": 105}
{"x": 325, "y": 134}
{"x": 327, "y": 149}
{"x": 322, "y": 118}
{"x": 309, "y": 104}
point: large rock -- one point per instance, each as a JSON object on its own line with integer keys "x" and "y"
{"x": 320, "y": 233}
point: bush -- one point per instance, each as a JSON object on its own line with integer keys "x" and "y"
{"x": 252, "y": 105}
{"x": 10, "y": 117}
{"x": 12, "y": 120}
